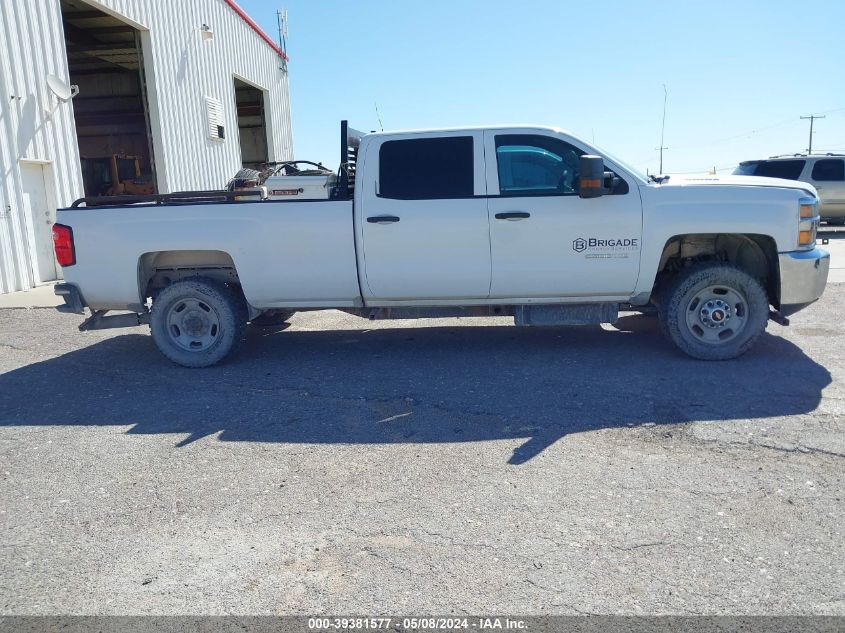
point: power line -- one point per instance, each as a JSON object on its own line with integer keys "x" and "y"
{"x": 727, "y": 139}
{"x": 784, "y": 122}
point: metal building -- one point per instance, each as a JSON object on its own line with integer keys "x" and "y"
{"x": 119, "y": 96}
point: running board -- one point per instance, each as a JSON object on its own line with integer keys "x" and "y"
{"x": 99, "y": 321}
{"x": 566, "y": 314}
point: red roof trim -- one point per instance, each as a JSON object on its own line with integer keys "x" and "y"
{"x": 256, "y": 28}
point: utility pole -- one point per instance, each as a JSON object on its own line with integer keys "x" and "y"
{"x": 812, "y": 118}
{"x": 663, "y": 127}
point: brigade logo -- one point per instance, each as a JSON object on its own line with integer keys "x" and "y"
{"x": 617, "y": 247}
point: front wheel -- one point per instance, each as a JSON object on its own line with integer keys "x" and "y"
{"x": 198, "y": 322}
{"x": 714, "y": 311}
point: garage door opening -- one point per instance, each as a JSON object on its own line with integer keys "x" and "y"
{"x": 252, "y": 125}
{"x": 111, "y": 111}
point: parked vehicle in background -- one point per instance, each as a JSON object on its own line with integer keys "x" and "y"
{"x": 826, "y": 172}
{"x": 528, "y": 222}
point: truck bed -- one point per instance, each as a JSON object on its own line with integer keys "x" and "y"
{"x": 288, "y": 254}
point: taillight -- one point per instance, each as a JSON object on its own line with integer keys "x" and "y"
{"x": 63, "y": 245}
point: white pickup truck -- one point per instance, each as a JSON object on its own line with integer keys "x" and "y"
{"x": 529, "y": 222}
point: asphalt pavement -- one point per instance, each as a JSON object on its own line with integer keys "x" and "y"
{"x": 436, "y": 466}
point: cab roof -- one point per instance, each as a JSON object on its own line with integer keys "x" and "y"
{"x": 472, "y": 128}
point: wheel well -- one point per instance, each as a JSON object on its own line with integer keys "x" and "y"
{"x": 157, "y": 270}
{"x": 755, "y": 254}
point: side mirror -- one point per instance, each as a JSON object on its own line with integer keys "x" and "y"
{"x": 591, "y": 176}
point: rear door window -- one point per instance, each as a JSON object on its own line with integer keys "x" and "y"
{"x": 427, "y": 168}
{"x": 829, "y": 170}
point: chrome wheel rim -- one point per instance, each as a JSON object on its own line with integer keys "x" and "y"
{"x": 193, "y": 325}
{"x": 717, "y": 314}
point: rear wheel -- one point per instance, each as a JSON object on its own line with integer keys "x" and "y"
{"x": 714, "y": 311}
{"x": 198, "y": 322}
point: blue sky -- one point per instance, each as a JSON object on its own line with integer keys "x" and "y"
{"x": 739, "y": 74}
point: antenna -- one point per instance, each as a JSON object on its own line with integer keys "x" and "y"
{"x": 378, "y": 116}
{"x": 663, "y": 127}
{"x": 282, "y": 20}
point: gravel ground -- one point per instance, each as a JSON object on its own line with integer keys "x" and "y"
{"x": 347, "y": 467}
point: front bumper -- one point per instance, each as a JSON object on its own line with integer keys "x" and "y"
{"x": 803, "y": 276}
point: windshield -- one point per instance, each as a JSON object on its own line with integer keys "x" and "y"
{"x": 624, "y": 165}
{"x": 746, "y": 169}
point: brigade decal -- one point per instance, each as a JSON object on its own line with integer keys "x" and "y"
{"x": 606, "y": 248}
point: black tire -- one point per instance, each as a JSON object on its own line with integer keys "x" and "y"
{"x": 714, "y": 311}
{"x": 198, "y": 322}
{"x": 272, "y": 318}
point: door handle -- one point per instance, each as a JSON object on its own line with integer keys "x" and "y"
{"x": 513, "y": 215}
{"x": 383, "y": 219}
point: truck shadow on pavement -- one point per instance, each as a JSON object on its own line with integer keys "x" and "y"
{"x": 423, "y": 385}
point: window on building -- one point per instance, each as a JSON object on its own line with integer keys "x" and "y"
{"x": 427, "y": 168}
{"x": 214, "y": 111}
{"x": 829, "y": 169}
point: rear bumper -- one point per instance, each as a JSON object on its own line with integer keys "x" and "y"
{"x": 803, "y": 276}
{"x": 74, "y": 304}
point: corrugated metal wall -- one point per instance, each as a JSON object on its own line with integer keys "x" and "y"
{"x": 181, "y": 70}
{"x": 31, "y": 47}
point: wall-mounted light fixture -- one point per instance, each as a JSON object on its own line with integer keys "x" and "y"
{"x": 207, "y": 33}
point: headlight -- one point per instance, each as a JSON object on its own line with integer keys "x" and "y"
{"x": 808, "y": 222}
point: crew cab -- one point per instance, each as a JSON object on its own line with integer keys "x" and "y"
{"x": 529, "y": 222}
